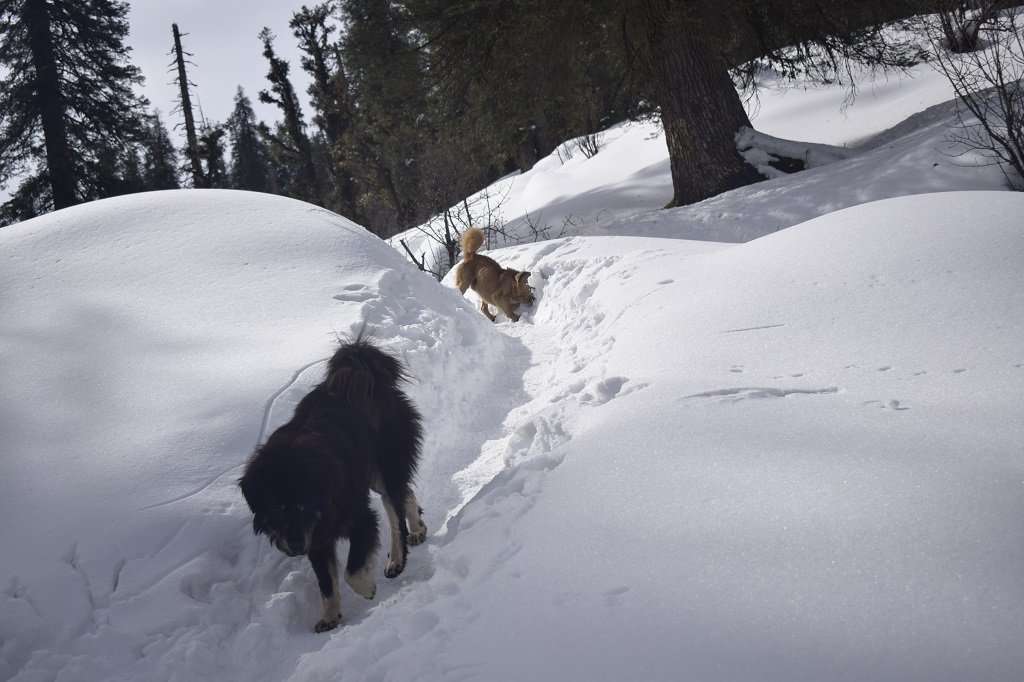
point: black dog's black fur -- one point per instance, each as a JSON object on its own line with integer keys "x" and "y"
{"x": 310, "y": 483}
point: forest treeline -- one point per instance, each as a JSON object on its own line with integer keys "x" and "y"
{"x": 416, "y": 104}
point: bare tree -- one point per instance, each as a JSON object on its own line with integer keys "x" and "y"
{"x": 989, "y": 85}
{"x": 443, "y": 230}
{"x": 185, "y": 105}
{"x": 961, "y": 21}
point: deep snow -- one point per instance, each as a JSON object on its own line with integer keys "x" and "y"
{"x": 773, "y": 454}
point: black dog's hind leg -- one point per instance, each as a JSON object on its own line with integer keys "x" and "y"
{"x": 413, "y": 516}
{"x": 362, "y": 545}
{"x": 325, "y": 566}
{"x": 407, "y": 528}
{"x": 399, "y": 534}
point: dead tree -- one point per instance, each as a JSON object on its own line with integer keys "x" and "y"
{"x": 192, "y": 151}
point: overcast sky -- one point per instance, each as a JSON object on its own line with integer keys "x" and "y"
{"x": 226, "y": 51}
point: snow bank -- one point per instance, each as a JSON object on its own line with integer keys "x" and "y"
{"x": 148, "y": 343}
{"x": 792, "y": 459}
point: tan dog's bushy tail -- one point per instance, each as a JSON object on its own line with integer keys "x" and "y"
{"x": 471, "y": 241}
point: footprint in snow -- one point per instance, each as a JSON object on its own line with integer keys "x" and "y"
{"x": 603, "y": 391}
{"x": 421, "y": 623}
{"x": 616, "y": 596}
{"x": 733, "y": 395}
{"x": 355, "y": 293}
{"x": 887, "y": 404}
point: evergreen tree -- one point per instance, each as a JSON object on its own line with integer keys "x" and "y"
{"x": 389, "y": 90}
{"x": 66, "y": 93}
{"x": 131, "y": 173}
{"x": 290, "y": 142}
{"x": 211, "y": 153}
{"x": 525, "y": 76}
{"x": 680, "y": 54}
{"x": 159, "y": 157}
{"x": 249, "y": 168}
{"x": 119, "y": 170}
{"x": 331, "y": 100}
{"x": 687, "y": 49}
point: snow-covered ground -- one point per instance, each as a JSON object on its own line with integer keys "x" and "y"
{"x": 715, "y": 449}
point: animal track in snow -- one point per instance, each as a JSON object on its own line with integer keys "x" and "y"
{"x": 887, "y": 404}
{"x": 597, "y": 392}
{"x": 602, "y": 391}
{"x": 417, "y": 625}
{"x": 752, "y": 329}
{"x": 616, "y": 596}
{"x": 355, "y": 293}
{"x": 733, "y": 395}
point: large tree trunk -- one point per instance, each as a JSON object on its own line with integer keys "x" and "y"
{"x": 50, "y": 104}
{"x": 701, "y": 110}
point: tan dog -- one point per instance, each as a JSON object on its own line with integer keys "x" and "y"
{"x": 502, "y": 287}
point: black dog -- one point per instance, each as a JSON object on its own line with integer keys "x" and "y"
{"x": 310, "y": 483}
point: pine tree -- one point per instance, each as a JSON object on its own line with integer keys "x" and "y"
{"x": 211, "y": 153}
{"x": 249, "y": 168}
{"x": 700, "y": 121}
{"x": 389, "y": 92}
{"x": 290, "y": 142}
{"x": 525, "y": 76}
{"x": 680, "y": 54}
{"x": 332, "y": 102}
{"x": 687, "y": 48}
{"x": 159, "y": 157}
{"x": 66, "y": 93}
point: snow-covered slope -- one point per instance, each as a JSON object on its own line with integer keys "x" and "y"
{"x": 897, "y": 138}
{"x": 792, "y": 458}
{"x": 796, "y": 458}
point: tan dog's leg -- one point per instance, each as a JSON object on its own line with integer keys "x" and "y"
{"x": 509, "y": 308}
{"x": 486, "y": 310}
{"x": 462, "y": 278}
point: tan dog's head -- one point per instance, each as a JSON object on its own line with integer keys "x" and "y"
{"x": 524, "y": 292}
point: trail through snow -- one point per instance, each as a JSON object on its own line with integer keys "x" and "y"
{"x": 794, "y": 456}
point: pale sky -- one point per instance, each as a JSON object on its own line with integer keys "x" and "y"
{"x": 226, "y": 52}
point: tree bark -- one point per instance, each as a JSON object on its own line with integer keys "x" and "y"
{"x": 51, "y": 105}
{"x": 701, "y": 110}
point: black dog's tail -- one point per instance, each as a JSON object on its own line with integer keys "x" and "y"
{"x": 363, "y": 374}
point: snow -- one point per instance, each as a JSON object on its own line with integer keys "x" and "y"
{"x": 773, "y": 436}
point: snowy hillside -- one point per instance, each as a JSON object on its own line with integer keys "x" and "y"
{"x": 791, "y": 457}
{"x": 895, "y": 139}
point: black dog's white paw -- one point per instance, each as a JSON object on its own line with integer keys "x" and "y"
{"x": 324, "y": 625}
{"x": 393, "y": 570}
{"x": 418, "y": 536}
{"x": 362, "y": 584}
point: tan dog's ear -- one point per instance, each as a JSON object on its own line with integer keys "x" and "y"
{"x": 522, "y": 275}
